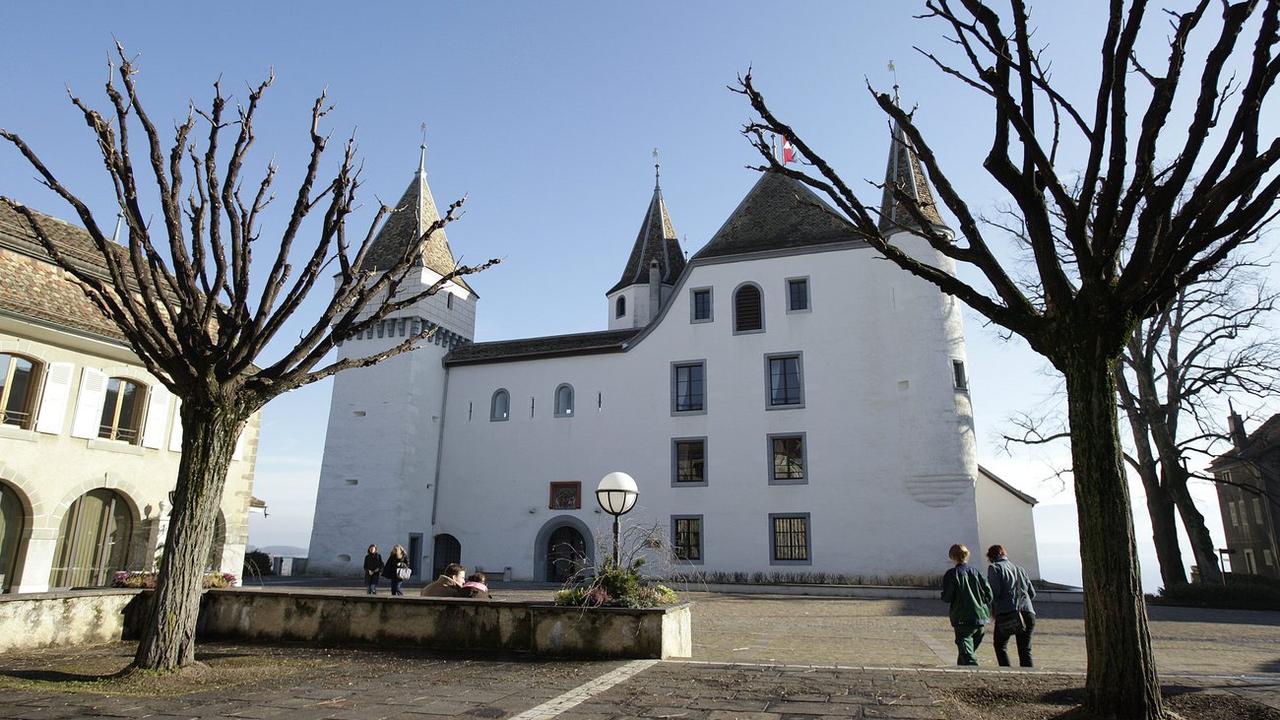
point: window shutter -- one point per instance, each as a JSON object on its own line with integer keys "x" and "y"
{"x": 747, "y": 309}
{"x": 175, "y": 435}
{"x": 53, "y": 403}
{"x": 157, "y": 416}
{"x": 93, "y": 392}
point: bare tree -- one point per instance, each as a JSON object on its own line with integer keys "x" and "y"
{"x": 1211, "y": 340}
{"x": 196, "y": 320}
{"x": 1091, "y": 286}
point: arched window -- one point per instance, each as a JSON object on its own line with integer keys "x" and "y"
{"x": 748, "y": 310}
{"x": 122, "y": 411}
{"x": 564, "y": 400}
{"x": 93, "y": 542}
{"x": 19, "y": 385}
{"x": 500, "y": 406}
{"x": 621, "y": 307}
{"x": 12, "y": 521}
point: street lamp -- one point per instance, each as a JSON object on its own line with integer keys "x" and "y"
{"x": 617, "y": 494}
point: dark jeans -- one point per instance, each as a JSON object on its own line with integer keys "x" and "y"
{"x": 395, "y": 586}
{"x": 1001, "y": 642}
{"x": 968, "y": 638}
{"x": 373, "y": 586}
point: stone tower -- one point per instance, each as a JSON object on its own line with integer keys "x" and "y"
{"x": 377, "y": 478}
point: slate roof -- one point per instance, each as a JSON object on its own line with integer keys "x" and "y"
{"x": 778, "y": 213}
{"x": 656, "y": 241}
{"x": 415, "y": 211}
{"x": 587, "y": 343}
{"x": 1259, "y": 442}
{"x": 32, "y": 286}
{"x": 904, "y": 171}
{"x": 1012, "y": 490}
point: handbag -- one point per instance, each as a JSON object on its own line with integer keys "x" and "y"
{"x": 405, "y": 572}
{"x": 1010, "y": 623}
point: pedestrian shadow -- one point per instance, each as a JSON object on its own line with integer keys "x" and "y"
{"x": 59, "y": 676}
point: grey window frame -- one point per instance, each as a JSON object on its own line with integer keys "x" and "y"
{"x": 768, "y": 380}
{"x": 959, "y": 375}
{"x": 804, "y": 457}
{"x": 808, "y": 294}
{"x": 673, "y": 385}
{"x": 733, "y": 300}
{"x": 555, "y": 401}
{"x": 620, "y": 306}
{"x": 675, "y": 461}
{"x": 493, "y": 405}
{"x": 808, "y": 539}
{"x": 693, "y": 305}
{"x": 702, "y": 545}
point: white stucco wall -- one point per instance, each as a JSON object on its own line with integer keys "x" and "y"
{"x": 50, "y": 470}
{"x": 889, "y": 439}
{"x": 1005, "y": 519}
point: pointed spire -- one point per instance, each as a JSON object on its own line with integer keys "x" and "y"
{"x": 904, "y": 172}
{"x": 657, "y": 240}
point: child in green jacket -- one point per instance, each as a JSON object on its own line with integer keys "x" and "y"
{"x": 969, "y": 596}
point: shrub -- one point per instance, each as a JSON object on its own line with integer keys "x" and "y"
{"x": 1246, "y": 592}
{"x": 147, "y": 580}
{"x": 617, "y": 586}
{"x": 257, "y": 563}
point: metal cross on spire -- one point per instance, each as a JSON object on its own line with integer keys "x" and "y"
{"x": 657, "y": 170}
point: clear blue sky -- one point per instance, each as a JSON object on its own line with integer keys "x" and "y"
{"x": 545, "y": 114}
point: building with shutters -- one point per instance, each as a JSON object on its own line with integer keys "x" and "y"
{"x": 786, "y": 399}
{"x": 1248, "y": 487}
{"x": 89, "y": 440}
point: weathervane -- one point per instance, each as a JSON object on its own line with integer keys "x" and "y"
{"x": 657, "y": 169}
{"x": 894, "y": 70}
{"x": 422, "y": 161}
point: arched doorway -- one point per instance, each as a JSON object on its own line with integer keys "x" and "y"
{"x": 563, "y": 547}
{"x": 447, "y": 550}
{"x": 12, "y": 525}
{"x": 93, "y": 541}
{"x": 214, "y": 563}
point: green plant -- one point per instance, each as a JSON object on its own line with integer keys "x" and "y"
{"x": 257, "y": 563}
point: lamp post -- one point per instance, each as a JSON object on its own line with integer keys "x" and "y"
{"x": 617, "y": 493}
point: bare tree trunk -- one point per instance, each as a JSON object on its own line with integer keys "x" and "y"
{"x": 209, "y": 435}
{"x": 1122, "y": 680}
{"x": 1202, "y": 548}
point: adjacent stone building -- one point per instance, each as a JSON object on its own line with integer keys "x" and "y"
{"x": 89, "y": 440}
{"x": 786, "y": 399}
{"x": 1248, "y": 487}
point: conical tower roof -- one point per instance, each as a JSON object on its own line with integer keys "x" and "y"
{"x": 411, "y": 216}
{"x": 904, "y": 171}
{"x": 778, "y": 213}
{"x": 656, "y": 241}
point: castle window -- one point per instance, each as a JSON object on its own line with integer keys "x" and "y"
{"x": 958, "y": 375}
{"x": 748, "y": 309}
{"x": 785, "y": 376}
{"x": 686, "y": 538}
{"x": 700, "y": 305}
{"x": 122, "y": 411}
{"x": 448, "y": 301}
{"x": 1235, "y": 517}
{"x": 688, "y": 387}
{"x": 689, "y": 461}
{"x": 500, "y": 406}
{"x": 787, "y": 459}
{"x": 620, "y": 307}
{"x": 19, "y": 384}
{"x": 1257, "y": 511}
{"x": 789, "y": 539}
{"x": 564, "y": 400}
{"x": 797, "y": 294}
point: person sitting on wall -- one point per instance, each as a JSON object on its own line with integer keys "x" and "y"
{"x": 969, "y": 595}
{"x": 372, "y": 569}
{"x": 449, "y": 584}
{"x": 476, "y": 588}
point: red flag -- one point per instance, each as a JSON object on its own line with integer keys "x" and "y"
{"x": 788, "y": 152}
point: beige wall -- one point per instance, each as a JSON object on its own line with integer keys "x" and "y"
{"x": 1006, "y": 519}
{"x": 49, "y": 470}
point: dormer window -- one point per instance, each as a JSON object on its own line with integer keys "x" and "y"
{"x": 620, "y": 307}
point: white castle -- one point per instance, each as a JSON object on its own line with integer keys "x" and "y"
{"x": 786, "y": 399}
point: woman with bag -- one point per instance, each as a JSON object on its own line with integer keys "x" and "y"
{"x": 1015, "y": 616}
{"x": 372, "y": 569}
{"x": 397, "y": 569}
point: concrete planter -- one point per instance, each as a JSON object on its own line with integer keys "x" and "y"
{"x": 42, "y": 620}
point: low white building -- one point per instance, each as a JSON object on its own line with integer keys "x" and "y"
{"x": 89, "y": 440}
{"x": 786, "y": 398}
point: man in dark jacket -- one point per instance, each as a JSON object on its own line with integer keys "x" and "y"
{"x": 1015, "y": 616}
{"x": 969, "y": 596}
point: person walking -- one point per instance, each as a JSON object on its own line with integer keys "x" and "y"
{"x": 969, "y": 597}
{"x": 397, "y": 569}
{"x": 372, "y": 569}
{"x": 1015, "y": 615}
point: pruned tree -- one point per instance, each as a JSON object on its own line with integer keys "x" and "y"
{"x": 184, "y": 295}
{"x": 1187, "y": 195}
